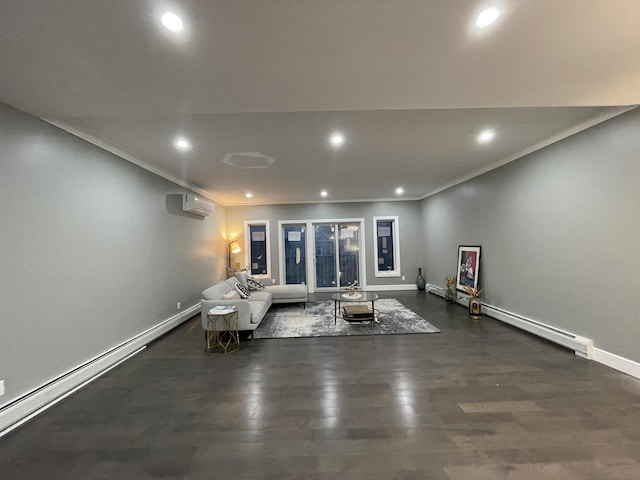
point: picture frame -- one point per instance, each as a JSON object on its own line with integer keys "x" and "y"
{"x": 468, "y": 272}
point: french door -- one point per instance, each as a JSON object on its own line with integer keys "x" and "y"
{"x": 337, "y": 255}
{"x": 323, "y": 254}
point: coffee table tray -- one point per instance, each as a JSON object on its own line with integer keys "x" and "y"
{"x": 357, "y": 313}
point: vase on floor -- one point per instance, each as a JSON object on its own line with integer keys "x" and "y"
{"x": 449, "y": 296}
{"x": 420, "y": 281}
{"x": 475, "y": 307}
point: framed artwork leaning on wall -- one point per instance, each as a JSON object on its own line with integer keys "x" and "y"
{"x": 468, "y": 267}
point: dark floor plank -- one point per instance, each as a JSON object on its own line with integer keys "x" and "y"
{"x": 479, "y": 400}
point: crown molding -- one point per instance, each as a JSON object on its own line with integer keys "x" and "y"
{"x": 128, "y": 156}
{"x": 322, "y": 201}
{"x": 125, "y": 155}
{"x": 608, "y": 115}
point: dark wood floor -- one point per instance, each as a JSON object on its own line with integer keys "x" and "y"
{"x": 478, "y": 401}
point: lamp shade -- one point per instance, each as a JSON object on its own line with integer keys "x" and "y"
{"x": 234, "y": 246}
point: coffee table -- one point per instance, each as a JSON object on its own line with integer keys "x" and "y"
{"x": 360, "y": 314}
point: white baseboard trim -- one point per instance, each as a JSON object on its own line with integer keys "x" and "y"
{"x": 51, "y": 403}
{"x": 380, "y": 288}
{"x": 435, "y": 289}
{"x": 582, "y": 346}
{"x": 617, "y": 362}
{"x": 38, "y": 400}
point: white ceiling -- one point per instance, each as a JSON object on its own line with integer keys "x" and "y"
{"x": 410, "y": 83}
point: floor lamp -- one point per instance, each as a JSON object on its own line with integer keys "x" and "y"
{"x": 234, "y": 247}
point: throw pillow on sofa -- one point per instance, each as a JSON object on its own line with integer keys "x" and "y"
{"x": 242, "y": 291}
{"x": 254, "y": 284}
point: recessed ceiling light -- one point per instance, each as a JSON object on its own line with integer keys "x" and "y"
{"x": 399, "y": 191}
{"x": 336, "y": 140}
{"x": 324, "y": 193}
{"x": 486, "y": 136}
{"x": 172, "y": 22}
{"x": 248, "y": 194}
{"x": 182, "y": 144}
{"x": 487, "y": 17}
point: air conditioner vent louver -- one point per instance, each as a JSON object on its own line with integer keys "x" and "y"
{"x": 197, "y": 205}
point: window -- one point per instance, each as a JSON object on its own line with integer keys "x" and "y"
{"x": 387, "y": 251}
{"x": 257, "y": 232}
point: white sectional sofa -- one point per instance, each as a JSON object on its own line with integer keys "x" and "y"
{"x": 251, "y": 310}
{"x": 279, "y": 293}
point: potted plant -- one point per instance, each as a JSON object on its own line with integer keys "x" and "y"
{"x": 449, "y": 296}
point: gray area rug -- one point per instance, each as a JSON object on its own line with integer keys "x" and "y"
{"x": 316, "y": 320}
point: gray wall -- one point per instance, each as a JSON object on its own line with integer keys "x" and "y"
{"x": 411, "y": 252}
{"x": 94, "y": 250}
{"x": 559, "y": 231}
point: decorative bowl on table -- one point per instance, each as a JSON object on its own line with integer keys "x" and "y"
{"x": 352, "y": 291}
{"x": 352, "y": 294}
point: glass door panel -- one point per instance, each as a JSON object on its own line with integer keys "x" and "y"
{"x": 349, "y": 250}
{"x": 337, "y": 255}
{"x": 295, "y": 257}
{"x": 325, "y": 264}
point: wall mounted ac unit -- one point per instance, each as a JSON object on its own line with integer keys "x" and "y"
{"x": 197, "y": 205}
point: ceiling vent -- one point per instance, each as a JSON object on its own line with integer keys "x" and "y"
{"x": 248, "y": 160}
{"x": 197, "y": 205}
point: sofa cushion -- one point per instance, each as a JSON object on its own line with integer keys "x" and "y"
{"x": 242, "y": 278}
{"x": 242, "y": 291}
{"x": 258, "y": 310}
{"x": 232, "y": 295}
{"x": 284, "y": 292}
{"x": 261, "y": 297}
{"x": 216, "y": 292}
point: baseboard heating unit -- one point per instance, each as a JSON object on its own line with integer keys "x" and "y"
{"x": 583, "y": 347}
{"x": 45, "y": 396}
